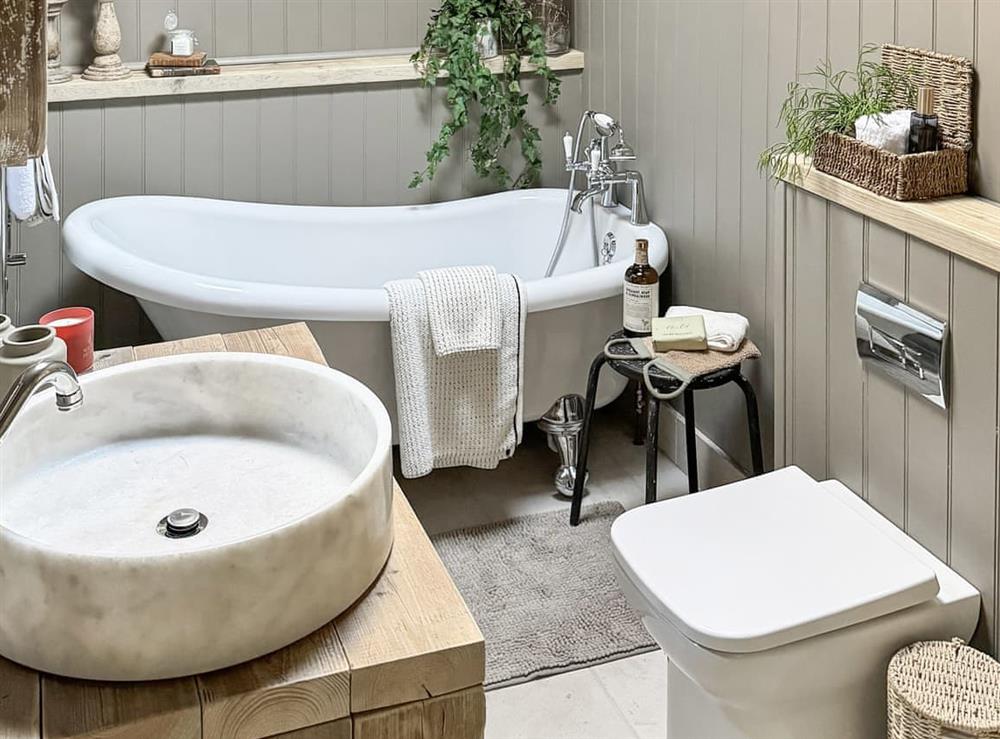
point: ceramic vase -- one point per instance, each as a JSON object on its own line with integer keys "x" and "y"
{"x": 22, "y": 347}
{"x": 5, "y": 326}
{"x": 57, "y": 74}
{"x": 107, "y": 64}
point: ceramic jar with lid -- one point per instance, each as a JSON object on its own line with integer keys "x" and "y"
{"x": 22, "y": 347}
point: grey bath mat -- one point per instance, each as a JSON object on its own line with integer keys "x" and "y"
{"x": 544, "y": 593}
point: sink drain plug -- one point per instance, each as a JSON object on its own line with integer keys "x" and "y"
{"x": 182, "y": 523}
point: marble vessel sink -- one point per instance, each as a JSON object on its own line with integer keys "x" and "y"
{"x": 288, "y": 461}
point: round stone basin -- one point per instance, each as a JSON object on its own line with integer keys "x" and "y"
{"x": 278, "y": 473}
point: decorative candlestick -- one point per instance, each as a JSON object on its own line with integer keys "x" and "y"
{"x": 107, "y": 43}
{"x": 57, "y": 73}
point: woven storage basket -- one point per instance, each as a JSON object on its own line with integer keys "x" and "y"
{"x": 912, "y": 176}
{"x": 943, "y": 689}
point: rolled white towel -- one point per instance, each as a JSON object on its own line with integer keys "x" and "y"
{"x": 725, "y": 331}
{"x": 22, "y": 196}
{"x": 889, "y": 131}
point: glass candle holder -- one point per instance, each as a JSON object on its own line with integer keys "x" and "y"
{"x": 555, "y": 18}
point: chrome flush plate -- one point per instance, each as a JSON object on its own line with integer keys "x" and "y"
{"x": 899, "y": 341}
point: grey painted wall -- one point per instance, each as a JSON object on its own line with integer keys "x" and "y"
{"x": 699, "y": 84}
{"x": 932, "y": 472}
{"x": 354, "y": 145}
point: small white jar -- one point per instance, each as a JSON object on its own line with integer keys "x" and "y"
{"x": 182, "y": 42}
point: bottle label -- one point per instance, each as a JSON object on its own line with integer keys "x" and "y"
{"x": 639, "y": 306}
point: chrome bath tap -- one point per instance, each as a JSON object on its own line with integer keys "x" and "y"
{"x": 601, "y": 167}
{"x": 600, "y": 163}
{"x": 47, "y": 373}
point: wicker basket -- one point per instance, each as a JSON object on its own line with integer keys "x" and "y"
{"x": 943, "y": 690}
{"x": 912, "y": 176}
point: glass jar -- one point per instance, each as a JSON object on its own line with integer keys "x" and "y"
{"x": 555, "y": 18}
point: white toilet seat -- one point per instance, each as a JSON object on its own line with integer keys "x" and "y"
{"x": 827, "y": 684}
{"x": 764, "y": 562}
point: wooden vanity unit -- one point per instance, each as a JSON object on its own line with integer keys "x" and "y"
{"x": 407, "y": 661}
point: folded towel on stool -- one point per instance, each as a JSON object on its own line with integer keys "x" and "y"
{"x": 725, "y": 331}
{"x": 463, "y": 306}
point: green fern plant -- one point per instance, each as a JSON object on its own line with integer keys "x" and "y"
{"x": 450, "y": 46}
{"x": 830, "y": 101}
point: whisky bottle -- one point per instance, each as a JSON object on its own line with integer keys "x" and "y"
{"x": 641, "y": 301}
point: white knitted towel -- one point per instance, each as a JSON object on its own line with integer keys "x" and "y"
{"x": 463, "y": 305}
{"x": 725, "y": 331}
{"x": 462, "y": 408}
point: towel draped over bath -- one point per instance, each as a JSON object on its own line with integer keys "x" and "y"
{"x": 457, "y": 407}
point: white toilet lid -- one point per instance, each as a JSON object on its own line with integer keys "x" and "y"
{"x": 764, "y": 562}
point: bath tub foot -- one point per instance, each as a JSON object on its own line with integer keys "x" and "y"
{"x": 563, "y": 423}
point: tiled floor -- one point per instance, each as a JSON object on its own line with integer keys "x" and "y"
{"x": 625, "y": 699}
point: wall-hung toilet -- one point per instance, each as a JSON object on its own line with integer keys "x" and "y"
{"x": 779, "y": 601}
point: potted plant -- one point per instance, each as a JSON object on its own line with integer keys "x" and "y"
{"x": 454, "y": 44}
{"x": 829, "y": 102}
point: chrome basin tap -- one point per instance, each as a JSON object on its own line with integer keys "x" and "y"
{"x": 44, "y": 374}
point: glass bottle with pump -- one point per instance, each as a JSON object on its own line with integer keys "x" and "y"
{"x": 923, "y": 124}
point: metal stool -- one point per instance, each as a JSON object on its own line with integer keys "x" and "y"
{"x": 632, "y": 369}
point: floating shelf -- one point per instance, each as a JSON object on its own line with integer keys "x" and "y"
{"x": 963, "y": 225}
{"x": 276, "y": 75}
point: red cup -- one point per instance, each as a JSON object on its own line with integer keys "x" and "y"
{"x": 75, "y": 326}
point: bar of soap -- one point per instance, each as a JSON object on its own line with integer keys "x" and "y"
{"x": 679, "y": 333}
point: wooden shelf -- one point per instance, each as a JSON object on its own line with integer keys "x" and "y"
{"x": 963, "y": 225}
{"x": 278, "y": 75}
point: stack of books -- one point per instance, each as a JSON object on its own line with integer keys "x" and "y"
{"x": 162, "y": 64}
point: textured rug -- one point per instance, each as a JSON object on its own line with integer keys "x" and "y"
{"x": 544, "y": 593}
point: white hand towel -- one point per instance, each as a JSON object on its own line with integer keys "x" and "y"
{"x": 31, "y": 191}
{"x": 725, "y": 331}
{"x": 22, "y": 196}
{"x": 889, "y": 131}
{"x": 463, "y": 304}
{"x": 459, "y": 409}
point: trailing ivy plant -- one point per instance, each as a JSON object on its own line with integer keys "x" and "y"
{"x": 830, "y": 102}
{"x": 450, "y": 46}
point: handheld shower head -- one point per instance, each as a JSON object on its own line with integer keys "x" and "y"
{"x": 604, "y": 124}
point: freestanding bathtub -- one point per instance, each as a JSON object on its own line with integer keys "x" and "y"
{"x": 202, "y": 266}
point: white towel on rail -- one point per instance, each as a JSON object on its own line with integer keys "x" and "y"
{"x": 22, "y": 192}
{"x": 462, "y": 408}
{"x": 725, "y": 331}
{"x": 31, "y": 191}
{"x": 463, "y": 305}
